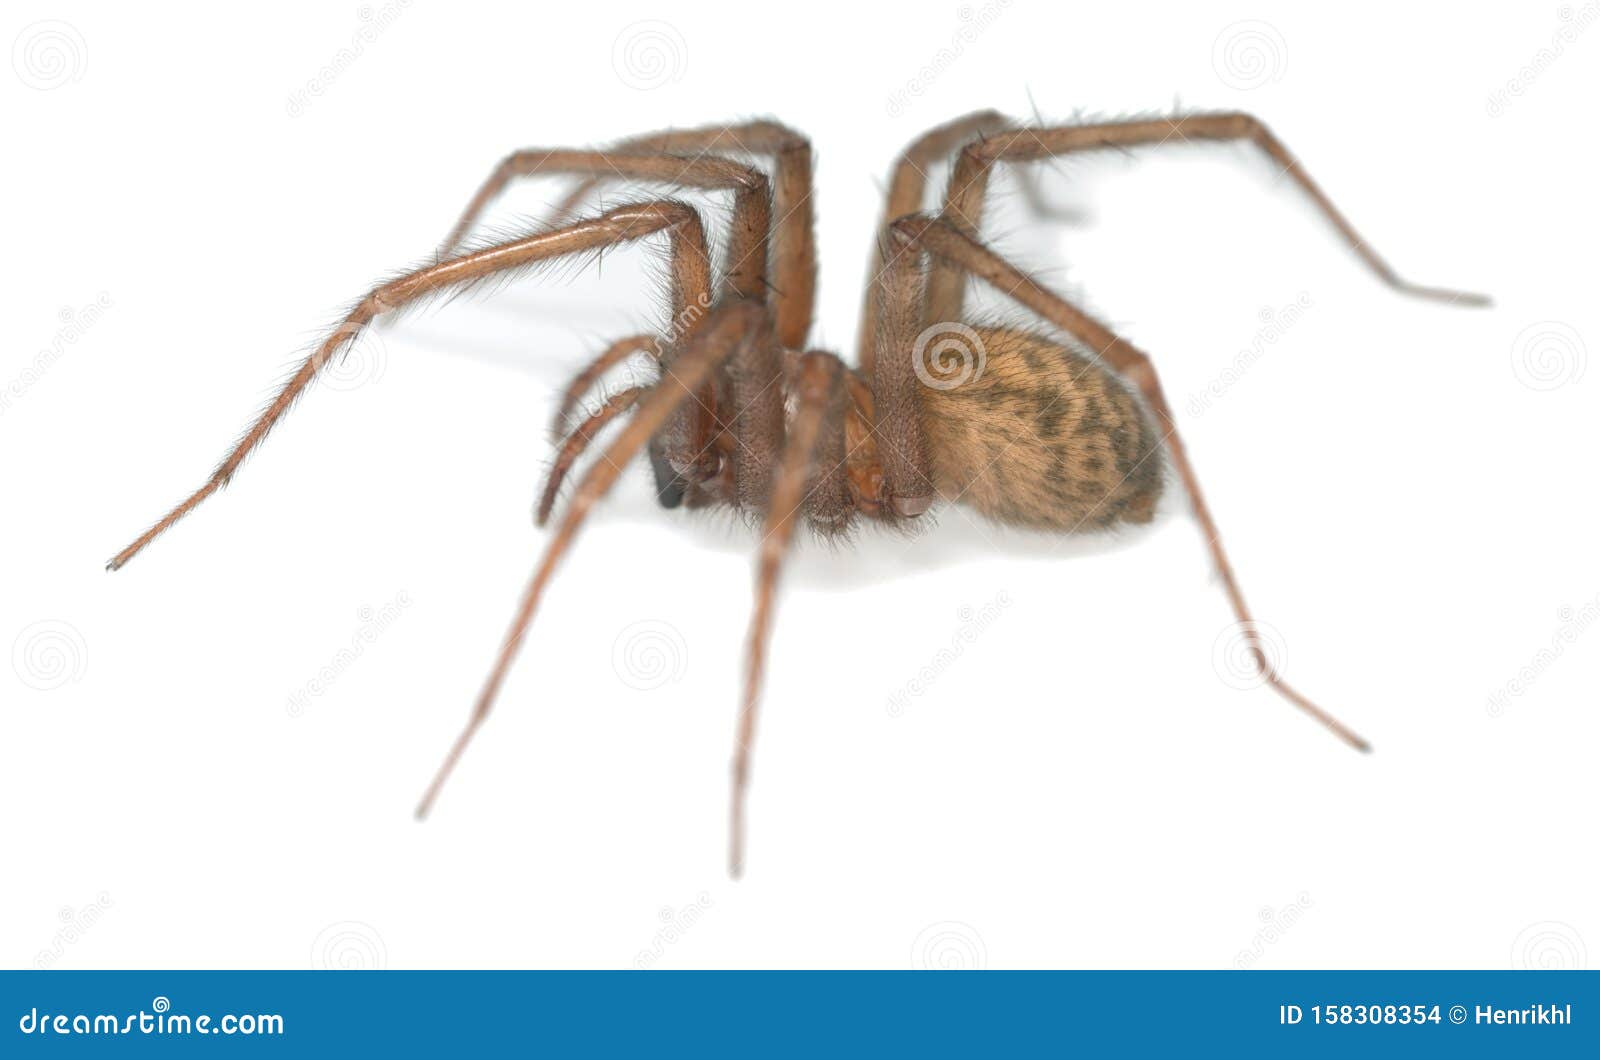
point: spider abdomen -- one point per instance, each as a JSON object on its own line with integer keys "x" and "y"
{"x": 1035, "y": 434}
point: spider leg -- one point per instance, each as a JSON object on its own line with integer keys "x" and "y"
{"x": 746, "y": 272}
{"x": 951, "y": 246}
{"x": 726, "y": 331}
{"x": 608, "y": 358}
{"x": 817, "y": 383}
{"x": 691, "y": 279}
{"x": 969, "y": 181}
{"x": 794, "y": 259}
{"x": 578, "y": 441}
{"x": 908, "y": 184}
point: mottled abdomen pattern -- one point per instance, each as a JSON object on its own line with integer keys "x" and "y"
{"x": 1038, "y": 435}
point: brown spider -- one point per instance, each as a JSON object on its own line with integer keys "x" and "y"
{"x": 1026, "y": 430}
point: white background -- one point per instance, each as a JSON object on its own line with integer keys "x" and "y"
{"x": 1407, "y": 490}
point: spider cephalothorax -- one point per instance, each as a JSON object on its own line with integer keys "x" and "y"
{"x": 1060, "y": 434}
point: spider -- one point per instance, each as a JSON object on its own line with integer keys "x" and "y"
{"x": 1025, "y": 428}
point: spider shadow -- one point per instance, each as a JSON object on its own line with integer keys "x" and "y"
{"x": 870, "y": 554}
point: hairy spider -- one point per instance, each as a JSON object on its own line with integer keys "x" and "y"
{"x": 1022, "y": 427}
